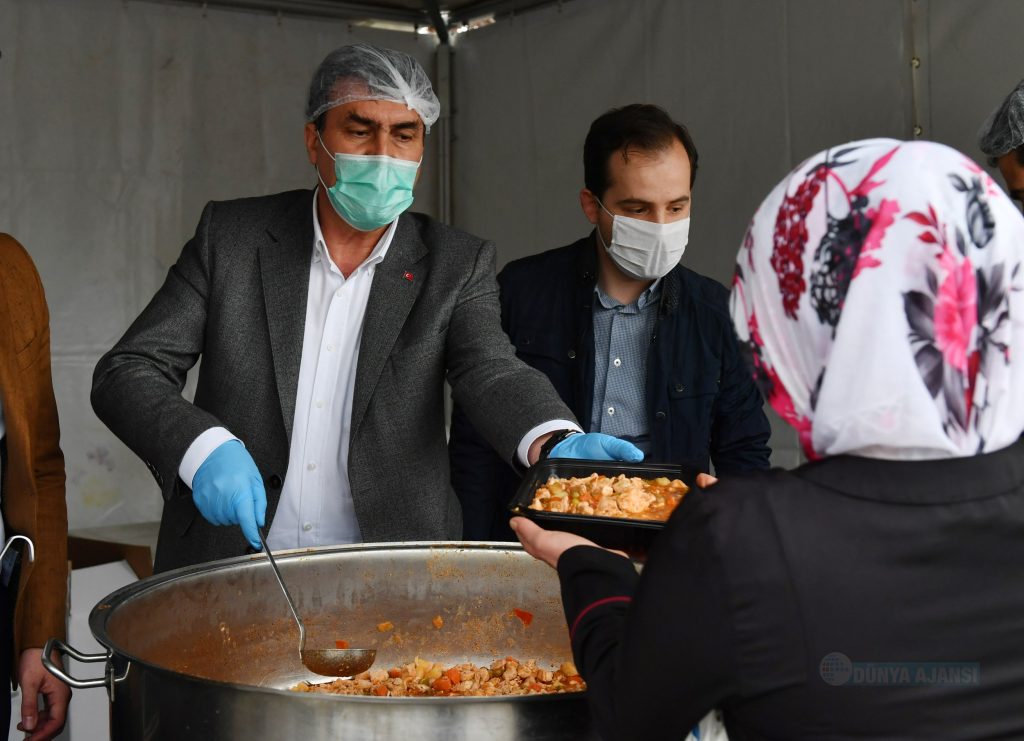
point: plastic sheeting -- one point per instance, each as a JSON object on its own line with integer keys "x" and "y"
{"x": 119, "y": 121}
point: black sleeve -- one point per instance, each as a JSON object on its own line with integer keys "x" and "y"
{"x": 740, "y": 430}
{"x": 482, "y": 480}
{"x": 656, "y": 650}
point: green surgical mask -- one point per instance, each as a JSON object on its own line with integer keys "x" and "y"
{"x": 370, "y": 191}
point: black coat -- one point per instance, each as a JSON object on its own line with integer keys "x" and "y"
{"x": 848, "y": 599}
{"x": 702, "y": 406}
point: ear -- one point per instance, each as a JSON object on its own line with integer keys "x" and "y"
{"x": 591, "y": 209}
{"x": 311, "y": 143}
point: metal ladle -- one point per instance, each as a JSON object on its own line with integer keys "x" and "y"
{"x": 328, "y": 662}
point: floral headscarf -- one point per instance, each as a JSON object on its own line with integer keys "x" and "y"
{"x": 878, "y": 294}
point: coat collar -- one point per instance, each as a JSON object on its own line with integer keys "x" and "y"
{"x": 284, "y": 260}
{"x": 943, "y": 481}
{"x": 587, "y": 268}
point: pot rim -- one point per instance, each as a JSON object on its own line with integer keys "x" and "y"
{"x": 106, "y": 607}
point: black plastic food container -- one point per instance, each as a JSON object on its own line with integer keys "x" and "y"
{"x": 632, "y": 536}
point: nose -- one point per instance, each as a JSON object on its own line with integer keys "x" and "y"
{"x": 380, "y": 143}
{"x": 667, "y": 216}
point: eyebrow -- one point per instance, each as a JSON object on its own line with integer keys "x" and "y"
{"x": 641, "y": 202}
{"x": 413, "y": 124}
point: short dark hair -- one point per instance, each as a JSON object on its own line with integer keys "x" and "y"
{"x": 639, "y": 126}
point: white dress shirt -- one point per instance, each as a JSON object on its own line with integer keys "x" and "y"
{"x": 316, "y": 500}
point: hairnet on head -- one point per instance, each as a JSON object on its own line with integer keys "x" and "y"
{"x": 1003, "y": 131}
{"x": 364, "y": 72}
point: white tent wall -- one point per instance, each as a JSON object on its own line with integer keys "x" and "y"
{"x": 761, "y": 85}
{"x": 119, "y": 121}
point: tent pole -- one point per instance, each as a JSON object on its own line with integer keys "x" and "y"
{"x": 444, "y": 132}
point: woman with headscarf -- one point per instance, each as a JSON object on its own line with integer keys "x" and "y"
{"x": 878, "y": 590}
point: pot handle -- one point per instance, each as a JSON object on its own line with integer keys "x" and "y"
{"x": 55, "y": 644}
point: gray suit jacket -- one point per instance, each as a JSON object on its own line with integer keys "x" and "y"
{"x": 237, "y": 297}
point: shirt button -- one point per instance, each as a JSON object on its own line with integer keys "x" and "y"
{"x": 572, "y": 354}
{"x": 679, "y": 387}
{"x": 307, "y": 526}
{"x": 330, "y": 347}
{"x": 616, "y": 362}
{"x": 311, "y": 466}
{"x": 660, "y": 416}
{"x": 338, "y": 293}
{"x": 611, "y": 411}
{"x": 320, "y": 404}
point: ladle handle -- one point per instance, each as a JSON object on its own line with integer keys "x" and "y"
{"x": 287, "y": 594}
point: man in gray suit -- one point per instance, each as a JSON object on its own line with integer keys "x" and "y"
{"x": 327, "y": 322}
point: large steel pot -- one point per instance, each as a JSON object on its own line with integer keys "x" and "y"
{"x": 207, "y": 652}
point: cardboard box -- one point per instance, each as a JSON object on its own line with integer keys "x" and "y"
{"x": 135, "y": 544}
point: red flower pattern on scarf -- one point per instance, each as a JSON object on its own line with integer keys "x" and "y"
{"x": 956, "y": 311}
{"x": 791, "y": 239}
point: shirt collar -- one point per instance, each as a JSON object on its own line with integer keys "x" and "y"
{"x": 650, "y": 295}
{"x": 380, "y": 250}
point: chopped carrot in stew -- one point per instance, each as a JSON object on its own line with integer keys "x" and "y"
{"x": 442, "y": 684}
{"x": 341, "y": 644}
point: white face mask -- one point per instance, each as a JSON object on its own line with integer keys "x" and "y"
{"x": 645, "y": 250}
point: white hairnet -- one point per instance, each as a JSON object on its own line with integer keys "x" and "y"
{"x": 1004, "y": 130}
{"x": 364, "y": 72}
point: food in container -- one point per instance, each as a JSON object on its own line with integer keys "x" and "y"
{"x": 633, "y": 534}
{"x": 630, "y": 497}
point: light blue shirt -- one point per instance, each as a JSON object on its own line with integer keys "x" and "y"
{"x": 622, "y": 340}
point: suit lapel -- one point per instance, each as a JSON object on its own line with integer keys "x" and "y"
{"x": 285, "y": 259}
{"x": 392, "y": 294}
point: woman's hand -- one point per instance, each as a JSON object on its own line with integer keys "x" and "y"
{"x": 704, "y": 480}
{"x": 547, "y": 545}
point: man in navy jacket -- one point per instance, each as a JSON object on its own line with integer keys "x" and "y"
{"x": 636, "y": 344}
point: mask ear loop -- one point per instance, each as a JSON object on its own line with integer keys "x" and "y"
{"x": 597, "y": 226}
{"x": 330, "y": 154}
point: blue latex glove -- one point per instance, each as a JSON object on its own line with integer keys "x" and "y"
{"x": 228, "y": 490}
{"x": 597, "y": 446}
